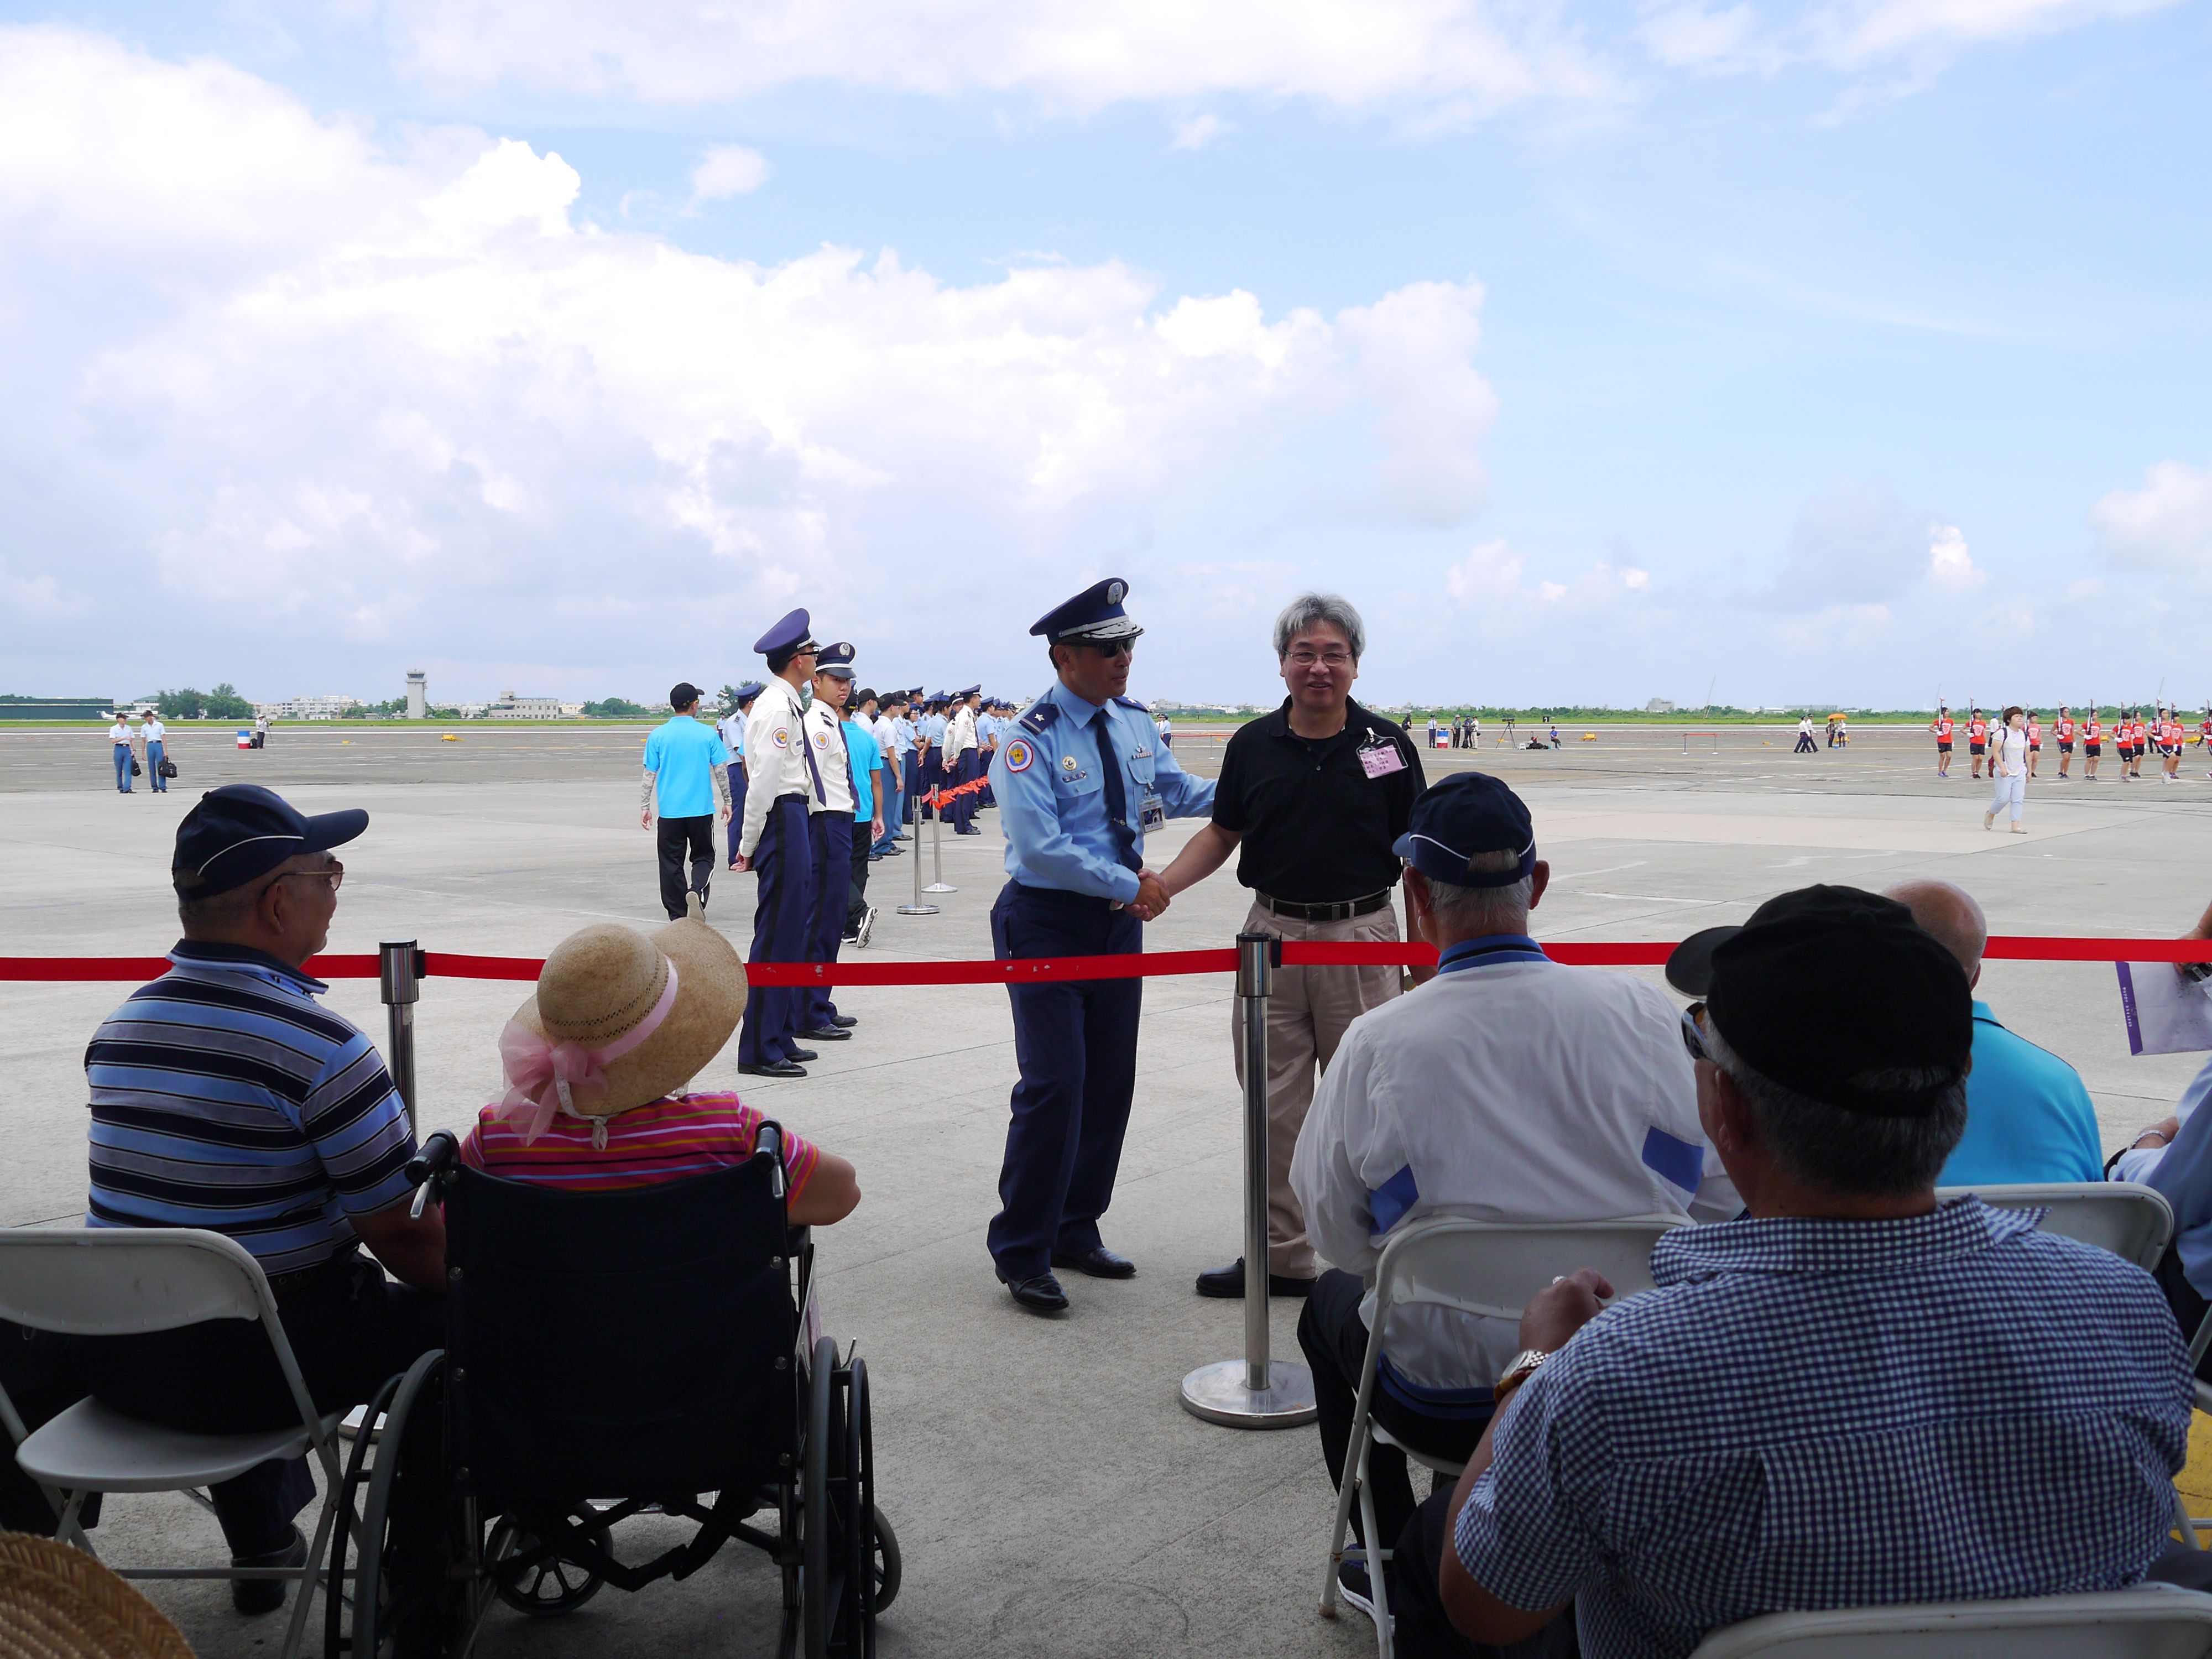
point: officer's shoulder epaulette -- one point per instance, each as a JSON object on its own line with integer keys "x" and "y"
{"x": 1039, "y": 715}
{"x": 1131, "y": 703}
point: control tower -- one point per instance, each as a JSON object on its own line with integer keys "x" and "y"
{"x": 418, "y": 693}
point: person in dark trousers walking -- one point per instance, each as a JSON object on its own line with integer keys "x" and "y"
{"x": 730, "y": 728}
{"x": 684, "y": 763}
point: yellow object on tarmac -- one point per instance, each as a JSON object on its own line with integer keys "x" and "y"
{"x": 1589, "y": 737}
{"x": 451, "y": 737}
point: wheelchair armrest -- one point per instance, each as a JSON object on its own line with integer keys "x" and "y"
{"x": 424, "y": 1168}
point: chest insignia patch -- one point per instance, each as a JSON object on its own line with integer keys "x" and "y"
{"x": 1020, "y": 754}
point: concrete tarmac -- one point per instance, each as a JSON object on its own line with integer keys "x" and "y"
{"x": 1051, "y": 1496}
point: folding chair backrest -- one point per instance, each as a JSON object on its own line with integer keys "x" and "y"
{"x": 118, "y": 1281}
{"x": 2150, "y": 1622}
{"x": 2132, "y": 1221}
{"x": 636, "y": 1343}
{"x": 1493, "y": 1268}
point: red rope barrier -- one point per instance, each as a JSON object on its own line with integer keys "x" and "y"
{"x": 1039, "y": 969}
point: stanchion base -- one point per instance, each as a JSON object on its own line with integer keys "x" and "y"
{"x": 939, "y": 887}
{"x": 1217, "y": 1393}
{"x": 916, "y": 910}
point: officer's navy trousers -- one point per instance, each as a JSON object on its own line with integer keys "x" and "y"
{"x": 832, "y": 833}
{"x": 737, "y": 806}
{"x": 1075, "y": 1043}
{"x": 785, "y": 860}
{"x": 964, "y": 809}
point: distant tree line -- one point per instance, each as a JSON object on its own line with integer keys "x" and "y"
{"x": 223, "y": 703}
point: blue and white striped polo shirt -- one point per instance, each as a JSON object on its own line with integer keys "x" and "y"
{"x": 224, "y": 1096}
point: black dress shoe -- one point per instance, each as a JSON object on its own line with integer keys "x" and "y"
{"x": 267, "y": 1594}
{"x": 1229, "y": 1282}
{"x": 843, "y": 1022}
{"x": 802, "y": 1054}
{"x": 826, "y": 1033}
{"x": 774, "y": 1068}
{"x": 1039, "y": 1294}
{"x": 1101, "y": 1263}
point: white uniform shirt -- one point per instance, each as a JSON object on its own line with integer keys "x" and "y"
{"x": 825, "y": 730}
{"x": 155, "y": 732}
{"x": 960, "y": 731}
{"x": 775, "y": 765}
{"x": 731, "y": 730}
{"x": 118, "y": 732}
{"x": 1512, "y": 1089}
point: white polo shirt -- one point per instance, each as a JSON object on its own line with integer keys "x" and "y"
{"x": 1509, "y": 1088}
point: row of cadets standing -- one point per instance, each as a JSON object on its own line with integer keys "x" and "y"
{"x": 1080, "y": 779}
{"x": 895, "y": 735}
{"x": 775, "y": 841}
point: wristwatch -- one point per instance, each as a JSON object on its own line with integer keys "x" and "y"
{"x": 1523, "y": 1367}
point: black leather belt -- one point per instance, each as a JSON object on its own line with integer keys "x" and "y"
{"x": 1339, "y": 910}
{"x": 799, "y": 795}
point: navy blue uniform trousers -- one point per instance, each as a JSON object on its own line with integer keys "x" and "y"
{"x": 1075, "y": 1043}
{"x": 967, "y": 770}
{"x": 737, "y": 806}
{"x": 832, "y": 833}
{"x": 785, "y": 860}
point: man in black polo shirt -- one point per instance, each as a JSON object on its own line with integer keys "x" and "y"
{"x": 1313, "y": 795}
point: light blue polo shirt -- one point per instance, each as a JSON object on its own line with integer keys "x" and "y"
{"x": 683, "y": 757}
{"x": 868, "y": 755}
{"x": 2028, "y": 1117}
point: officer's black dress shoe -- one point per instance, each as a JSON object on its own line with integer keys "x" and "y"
{"x": 843, "y": 1022}
{"x": 1230, "y": 1282}
{"x": 826, "y": 1033}
{"x": 1101, "y": 1263}
{"x": 1040, "y": 1293}
{"x": 774, "y": 1068}
{"x": 802, "y": 1054}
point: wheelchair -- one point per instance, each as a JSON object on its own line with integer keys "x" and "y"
{"x": 609, "y": 1354}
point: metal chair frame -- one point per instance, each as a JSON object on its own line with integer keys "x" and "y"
{"x": 2150, "y": 1621}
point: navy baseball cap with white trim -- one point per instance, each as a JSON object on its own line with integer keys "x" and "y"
{"x": 1463, "y": 815}
{"x": 242, "y": 830}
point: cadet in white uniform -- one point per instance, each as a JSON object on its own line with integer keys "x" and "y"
{"x": 774, "y": 839}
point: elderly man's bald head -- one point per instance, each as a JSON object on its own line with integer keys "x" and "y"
{"x": 1951, "y": 914}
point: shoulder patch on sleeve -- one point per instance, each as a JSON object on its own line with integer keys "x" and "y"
{"x": 1040, "y": 715}
{"x": 1019, "y": 755}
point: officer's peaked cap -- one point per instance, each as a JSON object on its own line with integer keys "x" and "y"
{"x": 792, "y": 634}
{"x": 1095, "y": 613}
{"x": 836, "y": 660}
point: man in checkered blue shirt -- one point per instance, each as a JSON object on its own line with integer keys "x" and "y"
{"x": 1850, "y": 1397}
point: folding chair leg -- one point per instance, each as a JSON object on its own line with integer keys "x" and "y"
{"x": 1355, "y": 1470}
{"x": 309, "y": 1575}
{"x": 68, "y": 1531}
{"x": 1377, "y": 1558}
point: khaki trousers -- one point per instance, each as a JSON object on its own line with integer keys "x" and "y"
{"x": 1306, "y": 1018}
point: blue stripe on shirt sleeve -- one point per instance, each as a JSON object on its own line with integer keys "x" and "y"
{"x": 1680, "y": 1162}
{"x": 1389, "y": 1202}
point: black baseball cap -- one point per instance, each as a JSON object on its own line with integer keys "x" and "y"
{"x": 242, "y": 831}
{"x": 1827, "y": 987}
{"x": 684, "y": 694}
{"x": 1462, "y": 815}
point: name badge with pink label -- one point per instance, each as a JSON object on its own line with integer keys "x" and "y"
{"x": 1381, "y": 761}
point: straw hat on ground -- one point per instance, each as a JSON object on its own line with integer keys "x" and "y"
{"x": 602, "y": 982}
{"x": 58, "y": 1603}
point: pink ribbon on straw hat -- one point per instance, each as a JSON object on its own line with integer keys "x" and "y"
{"x": 544, "y": 1074}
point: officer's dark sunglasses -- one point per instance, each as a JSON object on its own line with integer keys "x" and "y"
{"x": 1693, "y": 1036}
{"x": 1110, "y": 647}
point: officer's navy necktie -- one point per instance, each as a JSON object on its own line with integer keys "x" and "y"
{"x": 1117, "y": 797}
{"x": 813, "y": 771}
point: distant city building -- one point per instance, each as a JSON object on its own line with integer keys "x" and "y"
{"x": 60, "y": 708}
{"x": 508, "y": 706}
{"x": 1659, "y": 705}
{"x": 307, "y": 708}
{"x": 418, "y": 693}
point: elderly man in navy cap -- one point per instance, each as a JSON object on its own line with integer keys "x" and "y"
{"x": 1080, "y": 781}
{"x": 225, "y": 1097}
{"x": 786, "y": 784}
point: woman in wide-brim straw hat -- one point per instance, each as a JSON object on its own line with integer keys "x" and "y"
{"x": 597, "y": 1061}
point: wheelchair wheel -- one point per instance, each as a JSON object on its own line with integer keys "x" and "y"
{"x": 548, "y": 1587}
{"x": 814, "y": 1589}
{"x": 873, "y": 1564}
{"x": 403, "y": 1592}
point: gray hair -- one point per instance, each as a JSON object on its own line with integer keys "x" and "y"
{"x": 1472, "y": 910}
{"x": 1307, "y": 609}
{"x": 1853, "y": 1154}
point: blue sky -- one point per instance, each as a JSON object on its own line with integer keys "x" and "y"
{"x": 1598, "y": 353}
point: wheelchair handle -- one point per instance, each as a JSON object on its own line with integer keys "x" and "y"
{"x": 426, "y": 1166}
{"x": 769, "y": 1138}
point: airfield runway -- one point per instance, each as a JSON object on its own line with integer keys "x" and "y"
{"x": 1052, "y": 1498}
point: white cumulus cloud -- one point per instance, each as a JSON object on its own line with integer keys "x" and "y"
{"x": 2166, "y": 524}
{"x": 727, "y": 170}
{"x": 402, "y": 397}
{"x": 1950, "y": 563}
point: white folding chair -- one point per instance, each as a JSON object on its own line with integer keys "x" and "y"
{"x": 2151, "y": 1621}
{"x": 1489, "y": 1269}
{"x": 2134, "y": 1222}
{"x": 123, "y": 1281}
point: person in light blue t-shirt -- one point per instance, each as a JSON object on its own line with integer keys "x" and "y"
{"x": 871, "y": 790}
{"x": 683, "y": 767}
{"x": 2029, "y": 1118}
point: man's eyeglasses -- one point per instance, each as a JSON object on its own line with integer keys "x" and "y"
{"x": 1110, "y": 647}
{"x": 1693, "y": 1033}
{"x": 1325, "y": 658}
{"x": 333, "y": 872}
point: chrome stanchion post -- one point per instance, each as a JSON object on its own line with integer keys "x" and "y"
{"x": 917, "y": 908}
{"x": 937, "y": 845}
{"x": 1258, "y": 1391}
{"x": 399, "y": 971}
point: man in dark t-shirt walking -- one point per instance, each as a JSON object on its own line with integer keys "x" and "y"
{"x": 1311, "y": 798}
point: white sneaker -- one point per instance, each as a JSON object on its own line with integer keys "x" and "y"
{"x": 867, "y": 927}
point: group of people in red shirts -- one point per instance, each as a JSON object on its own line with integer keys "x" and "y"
{"x": 2130, "y": 736}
